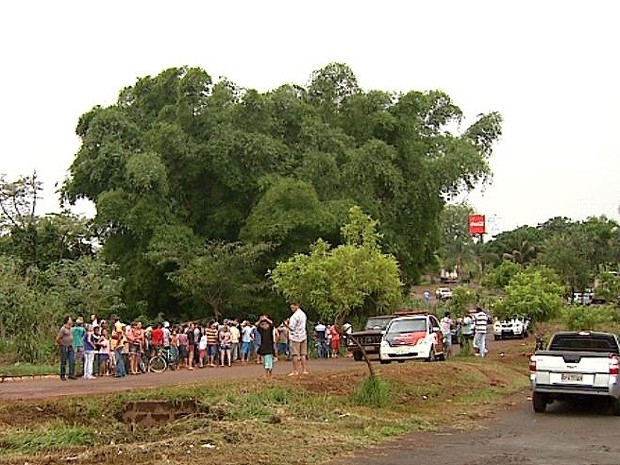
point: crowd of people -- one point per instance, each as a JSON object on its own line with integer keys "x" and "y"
{"x": 470, "y": 331}
{"x": 113, "y": 348}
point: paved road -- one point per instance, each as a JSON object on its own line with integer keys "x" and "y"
{"x": 54, "y": 387}
{"x": 565, "y": 435}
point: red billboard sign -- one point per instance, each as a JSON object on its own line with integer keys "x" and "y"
{"x": 477, "y": 225}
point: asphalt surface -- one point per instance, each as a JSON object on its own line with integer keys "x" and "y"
{"x": 567, "y": 434}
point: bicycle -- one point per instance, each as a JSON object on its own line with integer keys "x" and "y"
{"x": 162, "y": 360}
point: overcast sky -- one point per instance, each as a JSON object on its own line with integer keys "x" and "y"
{"x": 549, "y": 67}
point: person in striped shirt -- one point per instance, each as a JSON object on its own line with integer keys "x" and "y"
{"x": 481, "y": 320}
{"x": 212, "y": 342}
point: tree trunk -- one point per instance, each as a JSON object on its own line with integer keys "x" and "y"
{"x": 371, "y": 370}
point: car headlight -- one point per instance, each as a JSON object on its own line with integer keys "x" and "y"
{"x": 421, "y": 342}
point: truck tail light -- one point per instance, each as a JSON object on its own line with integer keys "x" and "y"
{"x": 533, "y": 363}
{"x": 613, "y": 364}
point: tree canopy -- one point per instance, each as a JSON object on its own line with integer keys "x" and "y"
{"x": 333, "y": 282}
{"x": 578, "y": 251}
{"x": 282, "y": 167}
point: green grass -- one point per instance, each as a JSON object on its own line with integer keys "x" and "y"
{"x": 27, "y": 369}
{"x": 50, "y": 439}
{"x": 314, "y": 415}
{"x": 373, "y": 392}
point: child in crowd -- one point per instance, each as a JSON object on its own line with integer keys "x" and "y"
{"x": 202, "y": 350}
{"x": 104, "y": 353}
{"x": 264, "y": 327}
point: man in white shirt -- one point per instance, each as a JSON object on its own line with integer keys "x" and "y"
{"x": 446, "y": 324}
{"x": 299, "y": 339}
{"x": 480, "y": 335}
{"x": 235, "y": 336}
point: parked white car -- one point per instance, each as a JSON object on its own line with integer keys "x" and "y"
{"x": 517, "y": 326}
{"x": 416, "y": 337}
{"x": 443, "y": 293}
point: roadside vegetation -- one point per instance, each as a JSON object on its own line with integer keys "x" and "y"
{"x": 309, "y": 420}
{"x": 214, "y": 200}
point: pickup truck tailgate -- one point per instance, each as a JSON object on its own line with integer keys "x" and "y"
{"x": 587, "y": 372}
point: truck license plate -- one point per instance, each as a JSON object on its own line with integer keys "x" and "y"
{"x": 571, "y": 377}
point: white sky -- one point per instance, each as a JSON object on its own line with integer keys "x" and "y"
{"x": 549, "y": 67}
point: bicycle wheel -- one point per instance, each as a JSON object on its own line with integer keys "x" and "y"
{"x": 157, "y": 364}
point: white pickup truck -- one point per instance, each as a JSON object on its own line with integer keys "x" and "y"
{"x": 576, "y": 364}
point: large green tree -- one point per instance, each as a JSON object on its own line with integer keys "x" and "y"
{"x": 280, "y": 167}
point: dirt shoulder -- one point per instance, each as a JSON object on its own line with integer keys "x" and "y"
{"x": 48, "y": 388}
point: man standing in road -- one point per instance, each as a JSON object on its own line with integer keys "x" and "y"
{"x": 77, "y": 331}
{"x": 64, "y": 339}
{"x": 466, "y": 334}
{"x": 446, "y": 325}
{"x": 298, "y": 336}
{"x": 480, "y": 336}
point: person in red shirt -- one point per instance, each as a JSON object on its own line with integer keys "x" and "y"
{"x": 157, "y": 338}
{"x": 335, "y": 342}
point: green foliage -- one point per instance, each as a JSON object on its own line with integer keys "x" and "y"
{"x": 85, "y": 287}
{"x": 609, "y": 287}
{"x": 500, "y": 276}
{"x": 463, "y": 298}
{"x": 577, "y": 251}
{"x": 373, "y": 392}
{"x": 583, "y": 318}
{"x": 333, "y": 282}
{"x": 28, "y": 369}
{"x": 222, "y": 275}
{"x": 520, "y": 246}
{"x": 31, "y": 441}
{"x": 535, "y": 292}
{"x": 233, "y": 165}
{"x": 33, "y": 303}
{"x": 458, "y": 250}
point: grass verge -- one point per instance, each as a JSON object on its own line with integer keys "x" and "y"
{"x": 27, "y": 369}
{"x": 305, "y": 420}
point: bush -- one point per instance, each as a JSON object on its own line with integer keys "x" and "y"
{"x": 580, "y": 317}
{"x": 373, "y": 392}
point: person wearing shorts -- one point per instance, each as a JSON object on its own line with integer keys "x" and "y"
{"x": 225, "y": 346}
{"x": 265, "y": 327}
{"x": 298, "y": 336}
